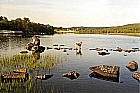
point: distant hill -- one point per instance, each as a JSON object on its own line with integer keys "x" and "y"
{"x": 129, "y": 28}
{"x": 123, "y": 26}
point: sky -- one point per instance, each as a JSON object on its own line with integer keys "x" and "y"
{"x": 73, "y": 13}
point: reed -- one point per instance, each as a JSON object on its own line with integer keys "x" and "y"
{"x": 8, "y": 64}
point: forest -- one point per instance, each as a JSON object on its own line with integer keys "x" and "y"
{"x": 25, "y": 25}
{"x": 129, "y": 29}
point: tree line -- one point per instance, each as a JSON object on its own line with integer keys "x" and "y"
{"x": 25, "y": 25}
{"x": 129, "y": 28}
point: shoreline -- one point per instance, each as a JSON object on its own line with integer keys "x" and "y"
{"x": 124, "y": 34}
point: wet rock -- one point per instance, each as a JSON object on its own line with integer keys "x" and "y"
{"x": 132, "y": 66}
{"x": 20, "y": 71}
{"x": 129, "y": 51}
{"x": 29, "y": 46}
{"x": 44, "y": 77}
{"x": 118, "y": 49}
{"x": 70, "y": 48}
{"x": 33, "y": 48}
{"x": 23, "y": 52}
{"x": 64, "y": 50}
{"x": 106, "y": 71}
{"x": 136, "y": 75}
{"x": 135, "y": 48}
{"x": 62, "y": 45}
{"x": 55, "y": 45}
{"x": 98, "y": 49}
{"x": 71, "y": 75}
{"x": 103, "y": 53}
{"x": 49, "y": 48}
{"x": 18, "y": 77}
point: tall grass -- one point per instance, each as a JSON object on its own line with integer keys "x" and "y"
{"x": 31, "y": 62}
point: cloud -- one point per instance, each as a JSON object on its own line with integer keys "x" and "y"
{"x": 74, "y": 12}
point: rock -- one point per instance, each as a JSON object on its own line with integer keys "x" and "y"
{"x": 55, "y": 45}
{"x": 15, "y": 77}
{"x": 20, "y": 71}
{"x": 119, "y": 49}
{"x": 98, "y": 49}
{"x": 106, "y": 71}
{"x": 136, "y": 75}
{"x": 71, "y": 75}
{"x": 103, "y": 53}
{"x": 132, "y": 66}
{"x": 49, "y": 48}
{"x": 62, "y": 45}
{"x": 22, "y": 52}
{"x": 35, "y": 48}
{"x": 70, "y": 48}
{"x": 29, "y": 46}
{"x": 44, "y": 77}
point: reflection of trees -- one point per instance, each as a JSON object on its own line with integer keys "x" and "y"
{"x": 12, "y": 42}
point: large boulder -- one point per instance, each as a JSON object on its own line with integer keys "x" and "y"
{"x": 132, "y": 66}
{"x": 136, "y": 75}
{"x": 106, "y": 71}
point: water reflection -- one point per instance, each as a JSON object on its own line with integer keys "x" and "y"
{"x": 89, "y": 58}
{"x": 36, "y": 56}
{"x": 8, "y": 43}
{"x": 79, "y": 52}
{"x": 112, "y": 79}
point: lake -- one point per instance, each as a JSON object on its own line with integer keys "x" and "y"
{"x": 73, "y": 61}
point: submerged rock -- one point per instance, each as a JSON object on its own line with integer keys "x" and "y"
{"x": 106, "y": 71}
{"x": 136, "y": 75}
{"x": 71, "y": 75}
{"x": 132, "y": 66}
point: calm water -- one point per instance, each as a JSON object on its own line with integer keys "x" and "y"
{"x": 81, "y": 63}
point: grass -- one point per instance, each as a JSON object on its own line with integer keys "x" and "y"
{"x": 31, "y": 62}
